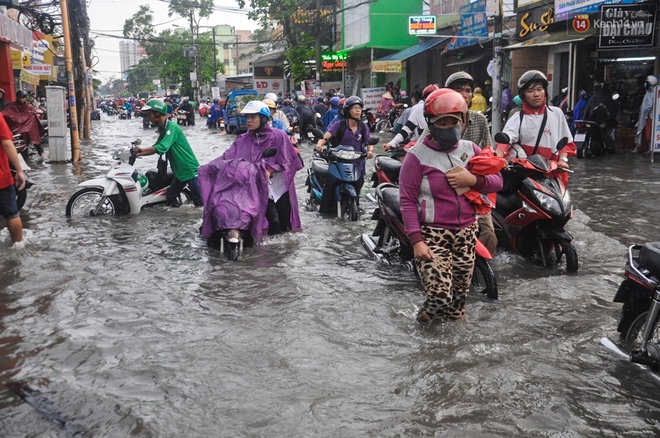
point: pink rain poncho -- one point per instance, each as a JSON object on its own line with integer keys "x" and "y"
{"x": 235, "y": 187}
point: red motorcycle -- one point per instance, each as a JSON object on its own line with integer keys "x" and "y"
{"x": 533, "y": 208}
{"x": 370, "y": 119}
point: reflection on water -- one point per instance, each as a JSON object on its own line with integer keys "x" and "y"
{"x": 132, "y": 326}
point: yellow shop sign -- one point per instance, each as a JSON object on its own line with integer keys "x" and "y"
{"x": 16, "y": 60}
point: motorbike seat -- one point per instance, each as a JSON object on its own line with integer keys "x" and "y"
{"x": 391, "y": 199}
{"x": 649, "y": 257}
{"x": 391, "y": 167}
{"x": 156, "y": 183}
{"x": 320, "y": 167}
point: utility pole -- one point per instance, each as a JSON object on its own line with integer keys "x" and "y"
{"x": 496, "y": 110}
{"x": 71, "y": 88}
{"x": 87, "y": 99}
{"x": 215, "y": 60}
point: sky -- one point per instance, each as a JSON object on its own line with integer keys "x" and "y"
{"x": 108, "y": 16}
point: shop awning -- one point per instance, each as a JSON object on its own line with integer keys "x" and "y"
{"x": 392, "y": 63}
{"x": 470, "y": 58}
{"x": 550, "y": 39}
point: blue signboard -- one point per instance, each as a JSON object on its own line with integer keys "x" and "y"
{"x": 473, "y": 23}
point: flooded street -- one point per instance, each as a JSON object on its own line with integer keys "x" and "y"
{"x": 131, "y": 326}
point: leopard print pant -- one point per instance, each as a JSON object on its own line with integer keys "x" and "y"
{"x": 446, "y": 278}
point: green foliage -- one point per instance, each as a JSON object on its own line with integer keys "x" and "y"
{"x": 141, "y": 25}
{"x": 297, "y": 57}
{"x": 185, "y": 8}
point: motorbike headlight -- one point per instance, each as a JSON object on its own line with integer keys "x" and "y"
{"x": 548, "y": 203}
{"x": 117, "y": 153}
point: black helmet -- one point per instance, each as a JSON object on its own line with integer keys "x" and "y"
{"x": 353, "y": 100}
{"x": 21, "y": 94}
{"x": 531, "y": 77}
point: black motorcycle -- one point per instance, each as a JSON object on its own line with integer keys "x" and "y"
{"x": 389, "y": 242}
{"x": 593, "y": 139}
{"x": 640, "y": 295}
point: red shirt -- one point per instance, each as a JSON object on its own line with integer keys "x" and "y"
{"x": 5, "y": 173}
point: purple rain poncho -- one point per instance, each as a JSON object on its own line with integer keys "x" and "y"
{"x": 235, "y": 187}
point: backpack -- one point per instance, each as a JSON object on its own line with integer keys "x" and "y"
{"x": 336, "y": 140}
{"x": 600, "y": 114}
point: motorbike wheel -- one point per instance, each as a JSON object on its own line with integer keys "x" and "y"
{"x": 483, "y": 279}
{"x": 85, "y": 201}
{"x": 381, "y": 126}
{"x": 349, "y": 209}
{"x": 580, "y": 151}
{"x": 20, "y": 198}
{"x": 633, "y": 338}
{"x": 232, "y": 252}
{"x": 571, "y": 257}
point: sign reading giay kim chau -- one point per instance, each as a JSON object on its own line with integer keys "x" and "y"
{"x": 626, "y": 26}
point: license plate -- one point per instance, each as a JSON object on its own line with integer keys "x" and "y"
{"x": 580, "y": 137}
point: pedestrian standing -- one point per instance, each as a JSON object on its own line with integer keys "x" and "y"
{"x": 10, "y": 184}
{"x": 645, "y": 122}
{"x": 439, "y": 219}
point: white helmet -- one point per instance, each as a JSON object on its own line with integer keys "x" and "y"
{"x": 652, "y": 80}
{"x": 301, "y": 98}
{"x": 271, "y": 96}
{"x": 256, "y": 107}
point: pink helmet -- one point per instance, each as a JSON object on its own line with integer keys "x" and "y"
{"x": 445, "y": 102}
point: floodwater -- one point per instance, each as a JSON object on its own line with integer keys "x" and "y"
{"x": 130, "y": 326}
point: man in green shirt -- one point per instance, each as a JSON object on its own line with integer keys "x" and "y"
{"x": 172, "y": 141}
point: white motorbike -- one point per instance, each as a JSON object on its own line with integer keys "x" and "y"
{"x": 123, "y": 190}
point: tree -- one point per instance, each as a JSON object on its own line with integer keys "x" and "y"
{"x": 300, "y": 26}
{"x": 141, "y": 25}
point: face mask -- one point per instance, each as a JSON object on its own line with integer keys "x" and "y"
{"x": 446, "y": 137}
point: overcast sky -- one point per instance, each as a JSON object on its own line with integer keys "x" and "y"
{"x": 107, "y": 17}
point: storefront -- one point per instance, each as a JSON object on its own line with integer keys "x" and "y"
{"x": 17, "y": 38}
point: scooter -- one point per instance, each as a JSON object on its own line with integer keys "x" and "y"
{"x": 123, "y": 190}
{"x": 229, "y": 212}
{"x": 370, "y": 119}
{"x": 591, "y": 139}
{"x": 182, "y": 117}
{"x": 21, "y": 195}
{"x": 340, "y": 162}
{"x": 389, "y": 242}
{"x": 122, "y": 113}
{"x": 640, "y": 294}
{"x": 532, "y": 209}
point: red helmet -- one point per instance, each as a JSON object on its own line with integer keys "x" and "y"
{"x": 428, "y": 90}
{"x": 445, "y": 102}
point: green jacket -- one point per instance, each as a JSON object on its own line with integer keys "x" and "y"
{"x": 172, "y": 142}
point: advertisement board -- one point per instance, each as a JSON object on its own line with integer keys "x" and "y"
{"x": 626, "y": 26}
{"x": 372, "y": 97}
{"x": 422, "y": 25}
{"x": 264, "y": 86}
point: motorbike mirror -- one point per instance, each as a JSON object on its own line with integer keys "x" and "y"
{"x": 137, "y": 142}
{"x": 270, "y": 152}
{"x": 317, "y": 133}
{"x": 501, "y": 137}
{"x": 373, "y": 140}
{"x": 562, "y": 143}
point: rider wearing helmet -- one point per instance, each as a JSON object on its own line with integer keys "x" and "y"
{"x": 306, "y": 120}
{"x": 416, "y": 122}
{"x": 173, "y": 143}
{"x": 3, "y": 102}
{"x": 272, "y": 108}
{"x": 476, "y": 129}
{"x": 443, "y": 232}
{"x": 643, "y": 135}
{"x": 280, "y": 120}
{"x": 21, "y": 117}
{"x": 578, "y": 110}
{"x": 349, "y": 131}
{"x": 538, "y": 127}
{"x": 332, "y": 112}
{"x": 280, "y": 205}
{"x": 289, "y": 111}
{"x": 215, "y": 114}
{"x": 320, "y": 107}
